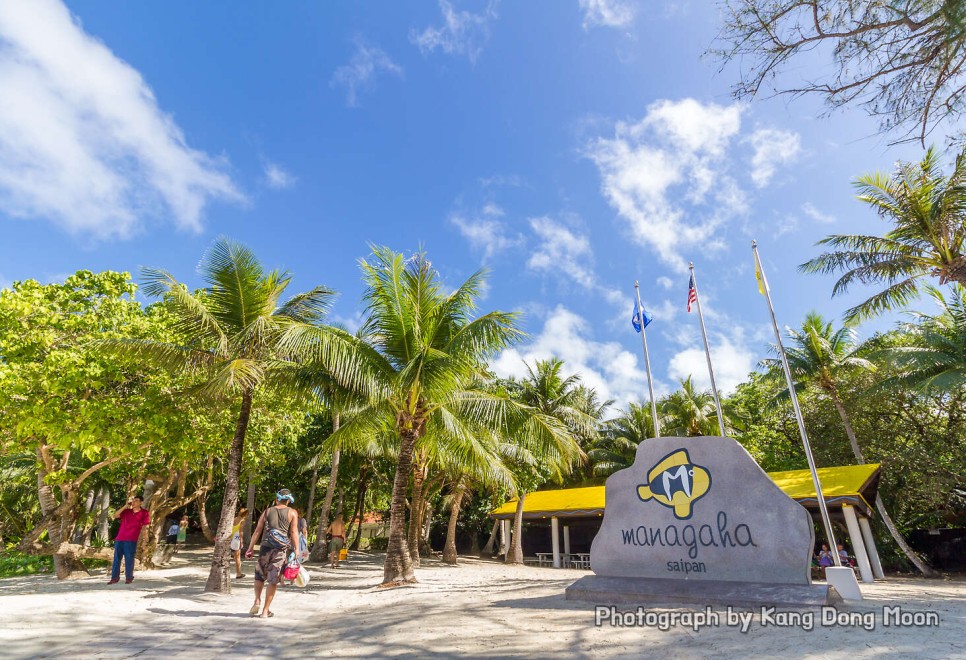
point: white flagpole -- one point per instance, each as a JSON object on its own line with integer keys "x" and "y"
{"x": 707, "y": 352}
{"x": 826, "y": 521}
{"x": 647, "y": 363}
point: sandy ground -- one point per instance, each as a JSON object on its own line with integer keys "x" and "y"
{"x": 477, "y": 609}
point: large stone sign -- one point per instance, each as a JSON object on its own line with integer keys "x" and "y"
{"x": 696, "y": 511}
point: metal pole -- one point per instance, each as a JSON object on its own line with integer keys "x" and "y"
{"x": 826, "y": 521}
{"x": 647, "y": 363}
{"x": 707, "y": 352}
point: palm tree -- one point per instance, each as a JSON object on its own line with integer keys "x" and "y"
{"x": 428, "y": 354}
{"x": 616, "y": 446}
{"x": 242, "y": 341}
{"x": 936, "y": 360}
{"x": 564, "y": 399}
{"x": 818, "y": 356}
{"x": 688, "y": 412}
{"x": 927, "y": 211}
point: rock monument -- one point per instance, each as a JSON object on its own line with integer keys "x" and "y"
{"x": 698, "y": 520}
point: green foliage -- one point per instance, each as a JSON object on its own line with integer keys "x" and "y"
{"x": 926, "y": 210}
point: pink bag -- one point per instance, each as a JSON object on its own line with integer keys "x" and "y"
{"x": 291, "y": 570}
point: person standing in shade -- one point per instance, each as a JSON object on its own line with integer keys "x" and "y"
{"x": 337, "y": 532}
{"x": 132, "y": 518}
{"x": 278, "y": 529}
{"x": 303, "y": 537}
{"x": 183, "y": 531}
{"x": 236, "y": 540}
{"x": 173, "y": 533}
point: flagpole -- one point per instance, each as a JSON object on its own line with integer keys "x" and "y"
{"x": 707, "y": 352}
{"x": 826, "y": 521}
{"x": 647, "y": 363}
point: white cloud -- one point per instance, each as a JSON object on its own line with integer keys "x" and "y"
{"x": 485, "y": 230}
{"x": 772, "y": 148}
{"x": 670, "y": 175}
{"x": 665, "y": 282}
{"x": 606, "y": 13}
{"x": 278, "y": 178}
{"x": 667, "y": 175}
{"x": 82, "y": 139}
{"x": 785, "y": 225}
{"x": 462, "y": 32}
{"x": 731, "y": 358}
{"x": 606, "y": 366}
{"x": 564, "y": 253}
{"x": 809, "y": 209}
{"x": 361, "y": 71}
{"x": 561, "y": 251}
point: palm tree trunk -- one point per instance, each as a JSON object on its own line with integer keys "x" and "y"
{"x": 910, "y": 554}
{"x": 416, "y": 514}
{"x": 398, "y": 568}
{"x": 104, "y": 519}
{"x": 311, "y": 503}
{"x": 219, "y": 580}
{"x": 488, "y": 548}
{"x": 250, "y": 505}
{"x": 319, "y": 551}
{"x": 449, "y": 550}
{"x": 360, "y": 510}
{"x": 515, "y": 554}
{"x": 203, "y": 519}
{"x": 357, "y": 512}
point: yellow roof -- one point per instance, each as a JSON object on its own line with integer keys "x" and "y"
{"x": 543, "y": 503}
{"x": 849, "y": 484}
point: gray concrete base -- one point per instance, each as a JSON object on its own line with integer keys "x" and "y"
{"x": 653, "y": 591}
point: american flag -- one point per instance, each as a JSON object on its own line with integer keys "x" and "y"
{"x": 692, "y": 294}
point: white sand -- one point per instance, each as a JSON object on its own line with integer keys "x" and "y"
{"x": 478, "y": 609}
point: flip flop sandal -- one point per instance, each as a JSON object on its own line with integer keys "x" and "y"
{"x": 269, "y": 615}
{"x": 254, "y": 610}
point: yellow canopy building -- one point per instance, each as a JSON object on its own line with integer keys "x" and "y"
{"x": 855, "y": 485}
{"x": 849, "y": 490}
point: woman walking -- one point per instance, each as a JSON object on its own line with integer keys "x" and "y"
{"x": 236, "y": 540}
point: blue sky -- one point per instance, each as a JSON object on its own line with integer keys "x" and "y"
{"x": 570, "y": 147}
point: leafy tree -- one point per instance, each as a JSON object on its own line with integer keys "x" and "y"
{"x": 561, "y": 398}
{"x": 616, "y": 446}
{"x": 903, "y": 61}
{"x": 817, "y": 356}
{"x": 690, "y": 412}
{"x": 935, "y": 357}
{"x": 241, "y": 340}
{"x": 927, "y": 211}
{"x": 76, "y": 409}
{"x": 428, "y": 355}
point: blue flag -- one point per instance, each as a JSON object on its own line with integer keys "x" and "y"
{"x": 636, "y": 319}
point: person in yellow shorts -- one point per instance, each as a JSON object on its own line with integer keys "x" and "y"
{"x": 337, "y": 532}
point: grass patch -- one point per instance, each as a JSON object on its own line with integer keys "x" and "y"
{"x": 17, "y": 564}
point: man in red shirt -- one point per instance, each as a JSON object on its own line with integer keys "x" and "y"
{"x": 132, "y": 518}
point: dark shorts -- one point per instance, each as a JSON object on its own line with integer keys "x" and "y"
{"x": 269, "y": 567}
{"x": 335, "y": 545}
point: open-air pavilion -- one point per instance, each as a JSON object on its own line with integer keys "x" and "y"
{"x": 573, "y": 515}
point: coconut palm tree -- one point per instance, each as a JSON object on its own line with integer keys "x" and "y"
{"x": 428, "y": 354}
{"x": 616, "y": 446}
{"x": 927, "y": 211}
{"x": 241, "y": 340}
{"x": 689, "y": 412}
{"x": 576, "y": 408}
{"x": 936, "y": 360}
{"x": 818, "y": 357}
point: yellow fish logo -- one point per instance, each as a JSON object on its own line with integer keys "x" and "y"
{"x": 677, "y": 483}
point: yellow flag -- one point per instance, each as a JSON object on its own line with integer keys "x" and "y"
{"x": 760, "y": 278}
